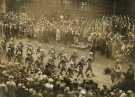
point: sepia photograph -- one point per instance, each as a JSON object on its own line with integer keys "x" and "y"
{"x": 67, "y": 48}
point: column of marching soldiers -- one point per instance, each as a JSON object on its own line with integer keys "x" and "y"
{"x": 34, "y": 58}
{"x": 33, "y": 62}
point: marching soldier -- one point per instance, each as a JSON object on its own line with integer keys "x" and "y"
{"x": 10, "y": 50}
{"x": 52, "y": 53}
{"x": 39, "y": 62}
{"x": 81, "y": 65}
{"x": 70, "y": 70}
{"x": 73, "y": 59}
{"x": 89, "y": 65}
{"x": 29, "y": 56}
{"x": 92, "y": 42}
{"x": 62, "y": 64}
{"x": 19, "y": 52}
{"x": 50, "y": 67}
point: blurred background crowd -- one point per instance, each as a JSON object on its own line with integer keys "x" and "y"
{"x": 111, "y": 35}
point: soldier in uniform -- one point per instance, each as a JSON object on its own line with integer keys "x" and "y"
{"x": 92, "y": 42}
{"x": 19, "y": 52}
{"x": 39, "y": 62}
{"x": 80, "y": 66}
{"x": 10, "y": 50}
{"x": 73, "y": 59}
{"x": 29, "y": 56}
{"x": 89, "y": 62}
{"x": 52, "y": 53}
{"x": 62, "y": 64}
{"x": 50, "y": 67}
{"x": 70, "y": 70}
